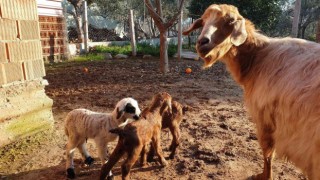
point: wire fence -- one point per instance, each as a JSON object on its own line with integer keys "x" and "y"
{"x": 105, "y": 29}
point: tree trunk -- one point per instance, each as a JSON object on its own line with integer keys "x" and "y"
{"x": 164, "y": 61}
{"x": 79, "y": 23}
{"x": 295, "y": 23}
{"x": 318, "y": 32}
{"x": 303, "y": 30}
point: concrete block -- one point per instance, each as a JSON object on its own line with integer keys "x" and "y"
{"x": 28, "y": 30}
{"x": 27, "y": 110}
{"x": 19, "y": 9}
{"x": 8, "y": 29}
{"x": 2, "y": 75}
{"x": 3, "y": 52}
{"x": 13, "y": 72}
{"x": 24, "y": 50}
{"x": 34, "y": 69}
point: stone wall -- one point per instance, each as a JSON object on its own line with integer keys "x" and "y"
{"x": 24, "y": 107}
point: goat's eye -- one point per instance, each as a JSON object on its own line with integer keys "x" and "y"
{"x": 230, "y": 21}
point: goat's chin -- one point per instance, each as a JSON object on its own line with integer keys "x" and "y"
{"x": 209, "y": 61}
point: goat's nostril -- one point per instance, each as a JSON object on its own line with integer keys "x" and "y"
{"x": 203, "y": 41}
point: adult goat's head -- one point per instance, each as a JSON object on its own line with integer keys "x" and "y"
{"x": 223, "y": 27}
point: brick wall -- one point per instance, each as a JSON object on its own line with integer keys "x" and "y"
{"x": 20, "y": 45}
{"x": 53, "y": 38}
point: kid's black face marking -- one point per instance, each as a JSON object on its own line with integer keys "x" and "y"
{"x": 130, "y": 109}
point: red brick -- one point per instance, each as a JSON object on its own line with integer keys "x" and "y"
{"x": 44, "y": 34}
{"x": 8, "y": 29}
{"x": 52, "y": 34}
{"x": 60, "y": 34}
{"x": 42, "y": 19}
{"x": 46, "y": 51}
{"x": 60, "y": 20}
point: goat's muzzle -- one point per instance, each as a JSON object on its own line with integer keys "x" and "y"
{"x": 136, "y": 117}
{"x": 169, "y": 106}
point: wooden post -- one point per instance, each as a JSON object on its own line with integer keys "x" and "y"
{"x": 180, "y": 33}
{"x": 318, "y": 32}
{"x": 133, "y": 37}
{"x": 85, "y": 26}
{"x": 295, "y": 23}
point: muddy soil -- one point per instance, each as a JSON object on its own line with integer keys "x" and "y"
{"x": 218, "y": 139}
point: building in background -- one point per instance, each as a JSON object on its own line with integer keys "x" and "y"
{"x": 53, "y": 30}
{"x": 25, "y": 109}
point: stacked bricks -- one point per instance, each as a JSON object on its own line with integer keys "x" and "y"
{"x": 53, "y": 37}
{"x": 20, "y": 45}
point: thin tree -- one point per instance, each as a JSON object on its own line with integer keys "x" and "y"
{"x": 318, "y": 32}
{"x": 163, "y": 27}
{"x": 77, "y": 15}
{"x": 295, "y": 22}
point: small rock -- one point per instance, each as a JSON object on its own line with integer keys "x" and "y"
{"x": 121, "y": 56}
{"x": 224, "y": 126}
{"x": 147, "y": 56}
{"x": 252, "y": 136}
{"x": 107, "y": 56}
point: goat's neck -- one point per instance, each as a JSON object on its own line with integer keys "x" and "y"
{"x": 241, "y": 60}
{"x": 155, "y": 110}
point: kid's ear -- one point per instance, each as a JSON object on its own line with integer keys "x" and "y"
{"x": 119, "y": 113}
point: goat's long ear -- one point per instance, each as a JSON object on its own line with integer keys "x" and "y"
{"x": 119, "y": 113}
{"x": 195, "y": 25}
{"x": 239, "y": 33}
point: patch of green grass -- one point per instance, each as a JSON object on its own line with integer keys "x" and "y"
{"x": 142, "y": 48}
{"x": 88, "y": 57}
{"x": 154, "y": 50}
{"x": 192, "y": 47}
{"x": 113, "y": 49}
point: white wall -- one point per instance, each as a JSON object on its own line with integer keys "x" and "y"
{"x": 50, "y": 7}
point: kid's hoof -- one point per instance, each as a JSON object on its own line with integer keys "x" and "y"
{"x": 164, "y": 163}
{"x": 89, "y": 160}
{"x": 110, "y": 177}
{"x": 171, "y": 156}
{"x": 70, "y": 173}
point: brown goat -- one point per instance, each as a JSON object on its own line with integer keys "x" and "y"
{"x": 135, "y": 137}
{"x": 172, "y": 121}
{"x": 281, "y": 82}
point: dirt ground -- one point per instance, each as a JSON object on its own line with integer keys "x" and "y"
{"x": 218, "y": 140}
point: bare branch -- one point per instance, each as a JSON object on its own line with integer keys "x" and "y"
{"x": 176, "y": 16}
{"x": 159, "y": 8}
{"x": 157, "y": 19}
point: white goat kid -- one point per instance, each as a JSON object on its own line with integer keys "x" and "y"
{"x": 83, "y": 124}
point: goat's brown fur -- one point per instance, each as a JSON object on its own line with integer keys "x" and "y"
{"x": 171, "y": 120}
{"x": 281, "y": 81}
{"x": 136, "y": 136}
